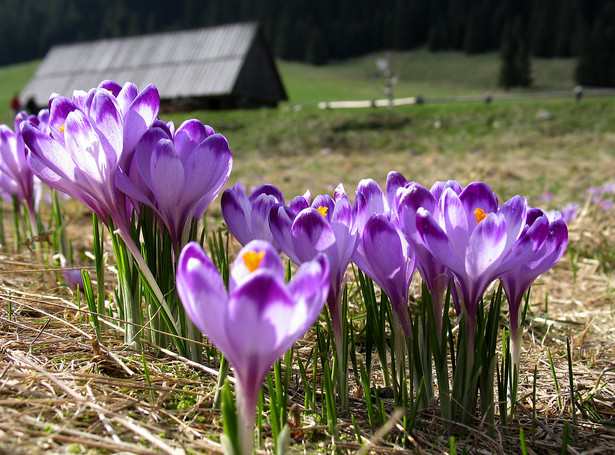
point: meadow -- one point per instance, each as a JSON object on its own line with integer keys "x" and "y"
{"x": 552, "y": 151}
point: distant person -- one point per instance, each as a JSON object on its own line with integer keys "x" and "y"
{"x": 15, "y": 105}
{"x": 31, "y": 106}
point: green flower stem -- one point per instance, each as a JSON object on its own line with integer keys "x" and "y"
{"x": 146, "y": 273}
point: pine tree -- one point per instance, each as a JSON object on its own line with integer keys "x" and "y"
{"x": 316, "y": 52}
{"x": 516, "y": 69}
{"x": 522, "y": 63}
{"x": 508, "y": 73}
{"x": 595, "y": 65}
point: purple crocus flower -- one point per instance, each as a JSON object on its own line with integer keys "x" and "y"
{"x": 178, "y": 173}
{"x": 478, "y": 241}
{"x": 325, "y": 227}
{"x": 248, "y": 217}
{"x": 17, "y": 179}
{"x": 91, "y": 136}
{"x": 518, "y": 280}
{"x": 258, "y": 320}
{"x": 432, "y": 270}
{"x": 382, "y": 253}
{"x": 72, "y": 276}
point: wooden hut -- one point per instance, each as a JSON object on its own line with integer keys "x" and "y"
{"x": 223, "y": 67}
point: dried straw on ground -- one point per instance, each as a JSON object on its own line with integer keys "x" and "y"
{"x": 63, "y": 391}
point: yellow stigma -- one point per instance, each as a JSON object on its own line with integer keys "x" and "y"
{"x": 252, "y": 259}
{"x": 62, "y": 128}
{"x": 480, "y": 215}
{"x": 323, "y": 210}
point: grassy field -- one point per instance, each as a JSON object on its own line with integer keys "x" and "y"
{"x": 526, "y": 147}
{"x": 522, "y": 146}
{"x": 535, "y": 144}
{"x": 418, "y": 72}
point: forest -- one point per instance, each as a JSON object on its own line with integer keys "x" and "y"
{"x": 320, "y": 31}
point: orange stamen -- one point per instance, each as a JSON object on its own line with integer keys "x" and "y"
{"x": 252, "y": 259}
{"x": 323, "y": 210}
{"x": 480, "y": 215}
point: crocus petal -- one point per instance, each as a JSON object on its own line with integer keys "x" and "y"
{"x": 261, "y": 207}
{"x": 384, "y": 252}
{"x": 84, "y": 147}
{"x": 309, "y": 288}
{"x": 107, "y": 121}
{"x": 237, "y": 212}
{"x": 478, "y": 195}
{"x": 114, "y": 88}
{"x": 168, "y": 178}
{"x": 486, "y": 246}
{"x": 410, "y": 200}
{"x": 300, "y": 202}
{"x": 124, "y": 95}
{"x": 369, "y": 200}
{"x": 137, "y": 194}
{"x": 207, "y": 170}
{"x": 140, "y": 116}
{"x": 455, "y": 222}
{"x": 342, "y": 212}
{"x": 190, "y": 134}
{"x": 281, "y": 222}
{"x": 255, "y": 317}
{"x": 436, "y": 240}
{"x": 203, "y": 294}
{"x": 526, "y": 245}
{"x": 59, "y": 109}
{"x": 48, "y": 152}
{"x": 269, "y": 190}
{"x": 438, "y": 188}
{"x": 324, "y": 201}
{"x": 515, "y": 211}
{"x": 143, "y": 153}
{"x": 311, "y": 234}
{"x": 8, "y": 148}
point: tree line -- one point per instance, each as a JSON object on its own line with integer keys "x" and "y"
{"x": 319, "y": 31}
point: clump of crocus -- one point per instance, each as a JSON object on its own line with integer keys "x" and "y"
{"x": 91, "y": 140}
{"x": 90, "y": 137}
{"x": 478, "y": 241}
{"x": 260, "y": 317}
{"x": 247, "y": 217}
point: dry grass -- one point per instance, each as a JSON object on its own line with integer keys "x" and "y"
{"x": 61, "y": 393}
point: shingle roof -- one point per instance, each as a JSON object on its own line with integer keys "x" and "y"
{"x": 182, "y": 64}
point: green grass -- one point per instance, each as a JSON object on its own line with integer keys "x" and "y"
{"x": 13, "y": 79}
{"x": 418, "y": 72}
{"x": 512, "y": 145}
